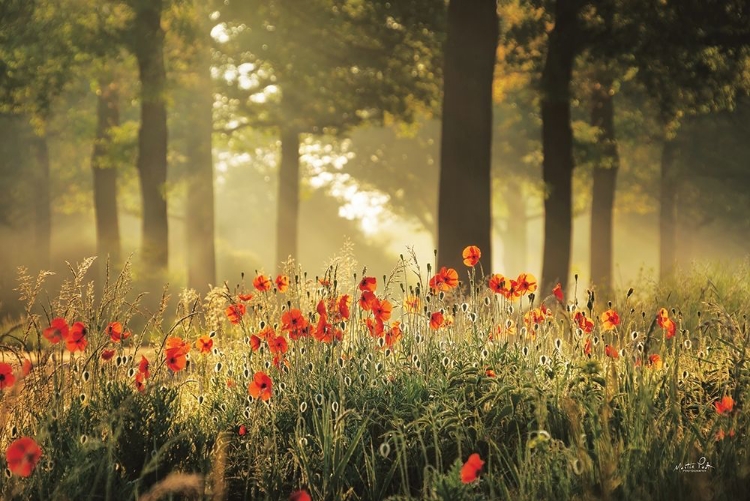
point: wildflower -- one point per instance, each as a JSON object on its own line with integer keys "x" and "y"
{"x": 496, "y": 283}
{"x": 254, "y": 342}
{"x": 666, "y": 323}
{"x": 526, "y": 283}
{"x": 471, "y": 469}
{"x": 436, "y": 320}
{"x": 368, "y": 284}
{"x": 116, "y": 334}
{"x": 22, "y": 456}
{"x": 654, "y": 361}
{"x": 282, "y": 283}
{"x": 107, "y": 355}
{"x": 57, "y": 330}
{"x": 245, "y": 297}
{"x": 412, "y": 304}
{"x": 471, "y": 255}
{"x": 294, "y": 322}
{"x": 489, "y": 373}
{"x": 610, "y": 319}
{"x": 261, "y": 386}
{"x": 374, "y": 327}
{"x": 367, "y": 300}
{"x": 6, "y": 376}
{"x": 584, "y": 323}
{"x": 139, "y": 381}
{"x": 611, "y": 351}
{"x": 393, "y": 335}
{"x": 242, "y": 431}
{"x": 382, "y": 310}
{"x": 587, "y": 347}
{"x": 344, "y": 305}
{"x": 444, "y": 280}
{"x": 204, "y": 344}
{"x": 278, "y": 345}
{"x": 300, "y": 495}
{"x": 235, "y": 312}
{"x": 143, "y": 367}
{"x": 176, "y": 355}
{"x": 558, "y": 292}
{"x": 76, "y": 340}
{"x": 725, "y": 405}
{"x": 262, "y": 283}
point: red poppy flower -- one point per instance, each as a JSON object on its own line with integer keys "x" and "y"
{"x": 471, "y": 255}
{"x": 57, "y": 330}
{"x": 22, "y": 456}
{"x": 323, "y": 331}
{"x": 611, "y": 351}
{"x": 139, "y": 382}
{"x": 526, "y": 283}
{"x": 204, "y": 344}
{"x": 116, "y": 333}
{"x": 471, "y": 469}
{"x": 235, "y": 312}
{"x": 7, "y": 378}
{"x": 610, "y": 319}
{"x": 558, "y": 292}
{"x": 666, "y": 323}
{"x": 374, "y": 327}
{"x": 344, "y": 304}
{"x": 176, "y": 342}
{"x": 300, "y": 495}
{"x": 654, "y": 361}
{"x": 254, "y": 342}
{"x": 368, "y": 284}
{"x": 497, "y": 283}
{"x": 382, "y": 310}
{"x": 242, "y": 431}
{"x": 245, "y": 297}
{"x": 176, "y": 359}
{"x": 262, "y": 283}
{"x": 436, "y": 320}
{"x": 143, "y": 367}
{"x": 278, "y": 345}
{"x": 107, "y": 355}
{"x": 725, "y": 405}
{"x": 583, "y": 322}
{"x": 293, "y": 321}
{"x": 393, "y": 335}
{"x": 366, "y": 300}
{"x": 76, "y": 340}
{"x": 261, "y": 386}
{"x": 489, "y": 373}
{"x": 282, "y": 283}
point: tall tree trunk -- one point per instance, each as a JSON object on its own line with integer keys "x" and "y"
{"x": 516, "y": 234}
{"x": 557, "y": 144}
{"x": 605, "y": 178}
{"x": 152, "y": 137}
{"x": 464, "y": 204}
{"x": 668, "y": 210}
{"x": 42, "y": 203}
{"x": 105, "y": 174}
{"x": 201, "y": 254}
{"x": 288, "y": 197}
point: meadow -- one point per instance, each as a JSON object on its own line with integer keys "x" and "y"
{"x": 430, "y": 383}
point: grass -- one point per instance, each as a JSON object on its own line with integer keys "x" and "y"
{"x": 356, "y": 418}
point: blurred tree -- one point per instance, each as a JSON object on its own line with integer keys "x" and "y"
{"x": 323, "y": 67}
{"x": 464, "y": 197}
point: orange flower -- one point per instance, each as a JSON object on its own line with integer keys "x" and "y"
{"x": 242, "y": 431}
{"x": 107, "y": 355}
{"x": 282, "y": 283}
{"x": 375, "y": 327}
{"x": 22, "y": 456}
{"x": 610, "y": 319}
{"x": 611, "y": 351}
{"x": 412, "y": 304}
{"x": 278, "y": 345}
{"x": 725, "y": 405}
{"x": 175, "y": 342}
{"x": 558, "y": 292}
{"x": 393, "y": 335}
{"x": 526, "y": 283}
{"x": 471, "y": 255}
{"x": 489, "y": 373}
{"x": 204, "y": 344}
{"x": 471, "y": 469}
{"x": 368, "y": 284}
{"x": 139, "y": 379}
{"x": 254, "y": 343}
{"x": 436, "y": 320}
{"x": 57, "y": 330}
{"x": 450, "y": 277}
{"x": 382, "y": 310}
{"x": 143, "y": 367}
{"x": 300, "y": 495}
{"x": 6, "y": 376}
{"x": 654, "y": 361}
{"x": 344, "y": 304}
{"x": 261, "y": 386}
{"x": 116, "y": 333}
{"x": 235, "y": 312}
{"x": 366, "y": 300}
{"x": 262, "y": 283}
{"x": 666, "y": 323}
{"x": 583, "y": 322}
{"x": 496, "y": 283}
{"x": 76, "y": 340}
{"x": 245, "y": 297}
{"x": 294, "y": 322}
{"x": 176, "y": 359}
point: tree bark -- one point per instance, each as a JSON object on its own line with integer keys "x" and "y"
{"x": 605, "y": 178}
{"x": 557, "y": 144}
{"x": 105, "y": 174}
{"x": 288, "y": 197}
{"x": 42, "y": 203}
{"x": 668, "y": 210}
{"x": 464, "y": 203}
{"x": 201, "y": 253}
{"x": 152, "y": 136}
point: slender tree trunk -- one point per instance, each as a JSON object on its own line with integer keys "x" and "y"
{"x": 152, "y": 137}
{"x": 464, "y": 204}
{"x": 201, "y": 254}
{"x": 288, "y": 197}
{"x": 668, "y": 210}
{"x": 557, "y": 144}
{"x": 516, "y": 235}
{"x": 42, "y": 203}
{"x": 605, "y": 178}
{"x": 105, "y": 174}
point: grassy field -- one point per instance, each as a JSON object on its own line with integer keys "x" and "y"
{"x": 346, "y": 386}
